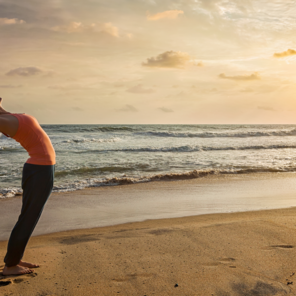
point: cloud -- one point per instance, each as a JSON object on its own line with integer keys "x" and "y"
{"x": 35, "y": 12}
{"x": 168, "y": 59}
{"x": 287, "y": 53}
{"x": 70, "y": 87}
{"x": 182, "y": 94}
{"x": 24, "y": 71}
{"x": 254, "y": 76}
{"x": 118, "y": 84}
{"x": 129, "y": 35}
{"x": 10, "y": 86}
{"x": 110, "y": 29}
{"x": 139, "y": 89}
{"x": 49, "y": 73}
{"x": 199, "y": 64}
{"x": 59, "y": 87}
{"x": 71, "y": 28}
{"x": 128, "y": 108}
{"x": 13, "y": 21}
{"x": 169, "y": 14}
{"x": 78, "y": 27}
{"x": 265, "y": 108}
{"x": 247, "y": 90}
{"x": 166, "y": 110}
{"x": 77, "y": 109}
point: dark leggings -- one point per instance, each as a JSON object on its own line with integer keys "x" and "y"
{"x": 37, "y": 183}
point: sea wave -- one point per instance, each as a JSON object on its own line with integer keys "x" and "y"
{"x": 167, "y": 176}
{"x": 85, "y": 128}
{"x": 242, "y": 134}
{"x": 124, "y": 180}
{"x": 10, "y": 192}
{"x": 93, "y": 170}
{"x": 10, "y": 149}
{"x": 91, "y": 140}
{"x": 191, "y": 148}
{"x": 174, "y": 131}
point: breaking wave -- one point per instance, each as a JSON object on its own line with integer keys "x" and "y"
{"x": 85, "y": 128}
{"x": 107, "y": 169}
{"x": 190, "y": 148}
{"x": 91, "y": 140}
{"x": 124, "y": 180}
{"x": 246, "y": 134}
{"x": 164, "y": 131}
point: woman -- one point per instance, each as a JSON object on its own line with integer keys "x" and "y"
{"x": 37, "y": 183}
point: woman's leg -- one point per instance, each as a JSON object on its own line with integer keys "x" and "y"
{"x": 37, "y": 183}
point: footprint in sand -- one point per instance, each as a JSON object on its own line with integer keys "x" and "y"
{"x": 289, "y": 280}
{"x": 7, "y": 280}
{"x": 133, "y": 276}
{"x": 278, "y": 247}
{"x": 283, "y": 246}
{"x": 5, "y": 283}
{"x": 211, "y": 264}
{"x": 10, "y": 281}
{"x": 228, "y": 261}
{"x": 225, "y": 261}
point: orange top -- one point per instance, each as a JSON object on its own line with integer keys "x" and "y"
{"x": 35, "y": 140}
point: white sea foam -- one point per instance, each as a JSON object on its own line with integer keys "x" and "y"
{"x": 192, "y": 148}
{"x": 86, "y": 140}
{"x": 125, "y": 180}
{"x": 10, "y": 192}
{"x": 231, "y": 134}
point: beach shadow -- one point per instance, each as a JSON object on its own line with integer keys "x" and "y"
{"x": 161, "y": 231}
{"x": 45, "y": 294}
{"x": 121, "y": 230}
{"x": 260, "y": 289}
{"x": 227, "y": 260}
{"x": 133, "y": 276}
{"x": 79, "y": 239}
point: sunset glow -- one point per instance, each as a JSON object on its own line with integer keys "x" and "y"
{"x": 149, "y": 61}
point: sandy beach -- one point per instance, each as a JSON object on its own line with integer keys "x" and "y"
{"x": 222, "y": 254}
{"x": 249, "y": 253}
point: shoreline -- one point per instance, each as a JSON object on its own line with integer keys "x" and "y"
{"x": 248, "y": 253}
{"x": 105, "y": 206}
{"x": 93, "y": 183}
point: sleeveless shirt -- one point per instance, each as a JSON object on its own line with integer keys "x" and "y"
{"x": 35, "y": 140}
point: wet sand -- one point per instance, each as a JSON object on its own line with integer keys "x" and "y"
{"x": 106, "y": 206}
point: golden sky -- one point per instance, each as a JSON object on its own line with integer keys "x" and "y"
{"x": 149, "y": 61}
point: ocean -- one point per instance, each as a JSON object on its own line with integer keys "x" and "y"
{"x": 110, "y": 155}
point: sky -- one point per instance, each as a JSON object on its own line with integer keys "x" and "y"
{"x": 149, "y": 61}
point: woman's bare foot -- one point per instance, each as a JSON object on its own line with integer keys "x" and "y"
{"x": 16, "y": 270}
{"x": 27, "y": 264}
